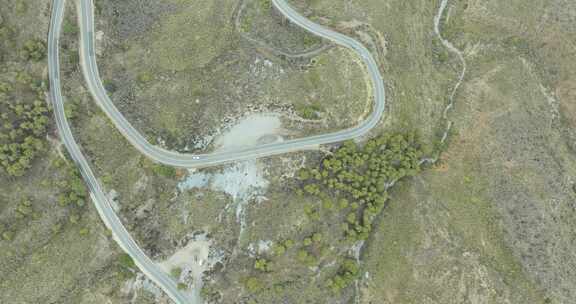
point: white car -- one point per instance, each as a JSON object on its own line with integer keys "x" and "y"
{"x": 195, "y": 157}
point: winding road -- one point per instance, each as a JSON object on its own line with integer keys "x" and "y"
{"x": 91, "y": 74}
{"x": 171, "y": 158}
{"x": 105, "y": 210}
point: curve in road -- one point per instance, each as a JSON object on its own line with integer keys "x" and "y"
{"x": 105, "y": 210}
{"x": 171, "y": 158}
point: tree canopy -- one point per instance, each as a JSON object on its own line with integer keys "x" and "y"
{"x": 23, "y": 127}
{"x": 359, "y": 177}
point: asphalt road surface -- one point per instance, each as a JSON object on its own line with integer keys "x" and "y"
{"x": 172, "y": 158}
{"x": 90, "y": 69}
{"x": 107, "y": 214}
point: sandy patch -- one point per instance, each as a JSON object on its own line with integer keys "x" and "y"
{"x": 259, "y": 248}
{"x": 193, "y": 259}
{"x": 139, "y": 283}
{"x": 243, "y": 181}
{"x": 255, "y": 129}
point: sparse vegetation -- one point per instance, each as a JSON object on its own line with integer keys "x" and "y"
{"x": 510, "y": 139}
{"x": 311, "y": 111}
{"x": 54, "y": 254}
{"x": 338, "y": 201}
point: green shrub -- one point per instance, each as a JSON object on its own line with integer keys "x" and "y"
{"x": 69, "y": 28}
{"x": 176, "y": 272}
{"x": 145, "y": 77}
{"x": 311, "y": 112}
{"x": 253, "y": 284}
{"x": 34, "y": 50}
{"x": 166, "y": 171}
{"x": 126, "y": 261}
{"x": 262, "y": 265}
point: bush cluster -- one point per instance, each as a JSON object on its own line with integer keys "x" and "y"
{"x": 359, "y": 176}
{"x": 23, "y": 128}
{"x": 34, "y": 50}
{"x": 347, "y": 273}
